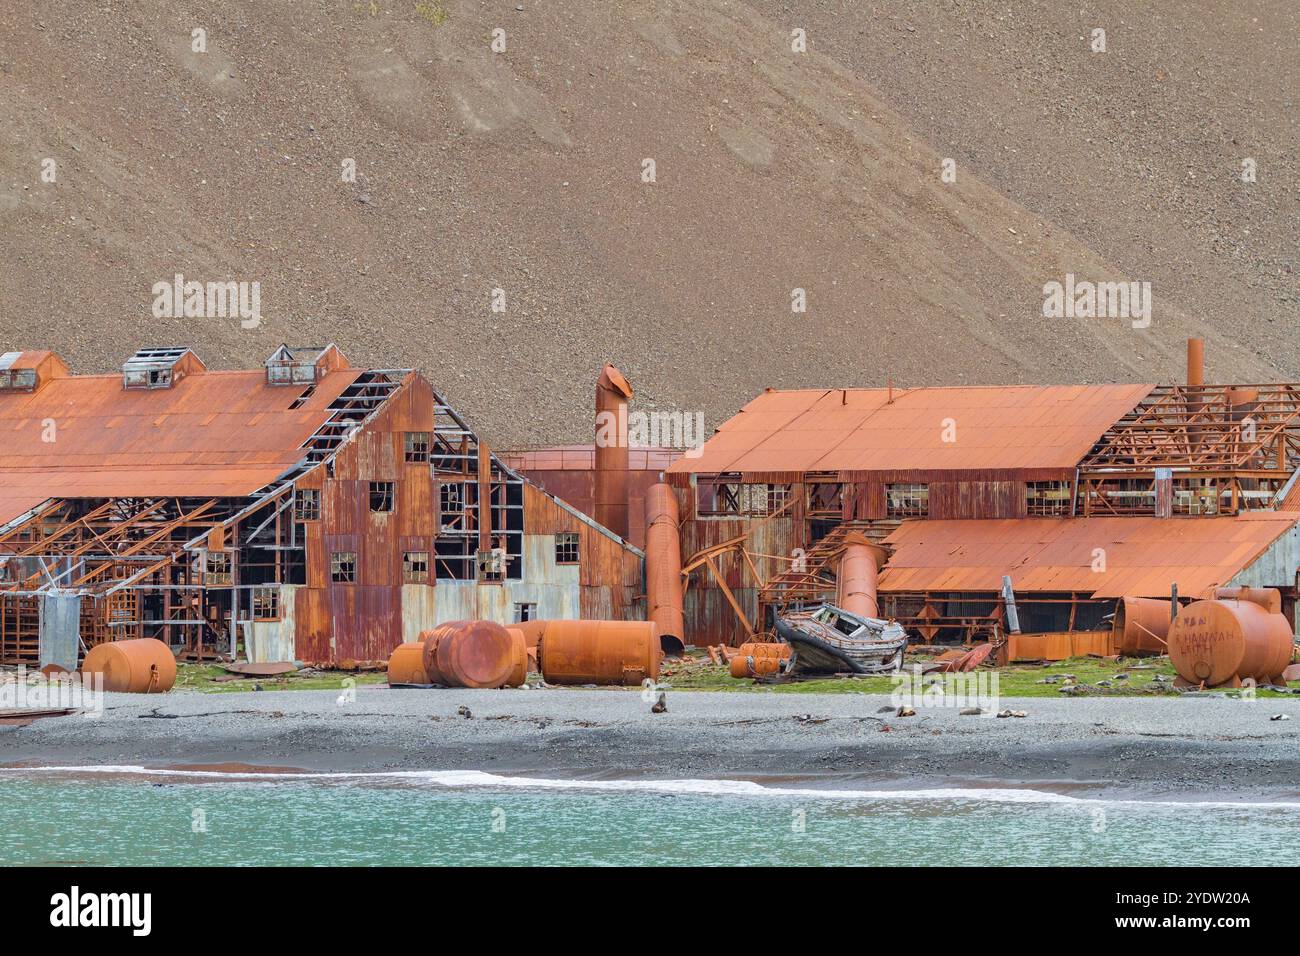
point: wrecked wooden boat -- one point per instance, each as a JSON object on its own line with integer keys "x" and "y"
{"x": 829, "y": 640}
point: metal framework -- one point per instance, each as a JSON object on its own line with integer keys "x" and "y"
{"x": 1196, "y": 449}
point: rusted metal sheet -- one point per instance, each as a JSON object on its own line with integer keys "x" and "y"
{"x": 193, "y": 439}
{"x": 993, "y": 428}
{"x": 1104, "y": 557}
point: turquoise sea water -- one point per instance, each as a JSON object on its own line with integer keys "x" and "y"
{"x": 463, "y": 818}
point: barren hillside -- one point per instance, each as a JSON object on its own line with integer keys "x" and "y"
{"x": 522, "y": 170}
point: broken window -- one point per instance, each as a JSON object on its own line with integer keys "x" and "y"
{"x": 727, "y": 496}
{"x": 22, "y": 380}
{"x": 1196, "y": 496}
{"x": 451, "y": 500}
{"x": 492, "y": 564}
{"x": 415, "y": 567}
{"x": 417, "y": 447}
{"x": 343, "y": 567}
{"x": 381, "y": 495}
{"x": 266, "y": 604}
{"x": 219, "y": 571}
{"x": 306, "y": 504}
{"x": 566, "y": 547}
{"x": 1047, "y": 497}
{"x": 525, "y": 612}
{"x": 907, "y": 500}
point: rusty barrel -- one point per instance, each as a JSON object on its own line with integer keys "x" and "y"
{"x": 520, "y": 651}
{"x": 600, "y": 652}
{"x": 779, "y": 650}
{"x": 1140, "y": 626}
{"x": 532, "y": 631}
{"x": 406, "y": 664}
{"x": 144, "y": 666}
{"x": 751, "y": 665}
{"x": 470, "y": 654}
{"x": 1219, "y": 641}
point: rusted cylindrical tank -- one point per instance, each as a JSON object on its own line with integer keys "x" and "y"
{"x": 663, "y": 568}
{"x": 611, "y": 455}
{"x": 532, "y": 631}
{"x": 520, "y": 650}
{"x": 749, "y": 665}
{"x": 470, "y": 654}
{"x": 856, "y": 580}
{"x": 1220, "y": 642}
{"x": 406, "y": 664}
{"x": 143, "y": 666}
{"x": 600, "y": 652}
{"x": 1140, "y": 626}
{"x": 1270, "y": 599}
{"x": 778, "y": 650}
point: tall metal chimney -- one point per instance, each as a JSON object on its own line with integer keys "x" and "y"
{"x": 611, "y": 479}
{"x": 1195, "y": 389}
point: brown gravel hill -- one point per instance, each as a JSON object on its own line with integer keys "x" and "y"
{"x": 775, "y": 170}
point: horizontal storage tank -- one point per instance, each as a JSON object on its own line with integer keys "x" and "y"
{"x": 600, "y": 652}
{"x": 1140, "y": 626}
{"x": 471, "y": 654}
{"x": 144, "y": 666}
{"x": 1225, "y": 641}
{"x": 747, "y": 665}
{"x": 520, "y": 673}
{"x": 406, "y": 665}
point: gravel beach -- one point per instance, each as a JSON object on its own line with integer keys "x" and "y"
{"x": 1192, "y": 746}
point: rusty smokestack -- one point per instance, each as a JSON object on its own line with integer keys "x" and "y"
{"x": 1195, "y": 388}
{"x": 859, "y": 568}
{"x": 1195, "y": 362}
{"x": 663, "y": 567}
{"x": 612, "y": 395}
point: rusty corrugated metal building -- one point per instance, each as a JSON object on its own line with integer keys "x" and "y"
{"x": 307, "y": 510}
{"x": 1202, "y": 478}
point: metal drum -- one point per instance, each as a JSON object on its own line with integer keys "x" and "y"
{"x": 600, "y": 652}
{"x": 144, "y": 666}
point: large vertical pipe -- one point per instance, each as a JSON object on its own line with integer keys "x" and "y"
{"x": 484, "y": 498}
{"x": 856, "y": 581}
{"x": 612, "y": 395}
{"x": 1195, "y": 388}
{"x": 663, "y": 567}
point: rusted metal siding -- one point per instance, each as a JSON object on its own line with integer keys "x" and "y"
{"x": 977, "y": 499}
{"x": 364, "y": 620}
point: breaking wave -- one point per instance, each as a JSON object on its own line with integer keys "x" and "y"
{"x": 476, "y": 779}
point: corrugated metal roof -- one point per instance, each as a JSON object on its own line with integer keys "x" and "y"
{"x": 1006, "y": 427}
{"x": 1143, "y": 556}
{"x": 211, "y": 434}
